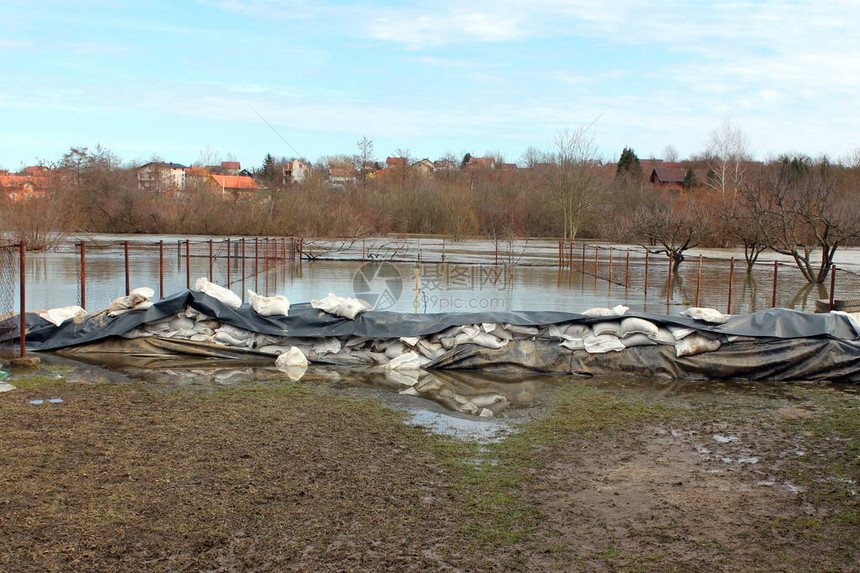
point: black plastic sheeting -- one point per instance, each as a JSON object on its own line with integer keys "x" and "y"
{"x": 791, "y": 345}
{"x": 305, "y": 321}
{"x": 808, "y": 359}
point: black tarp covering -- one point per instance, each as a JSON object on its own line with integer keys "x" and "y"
{"x": 812, "y": 359}
{"x": 790, "y": 345}
{"x": 305, "y": 321}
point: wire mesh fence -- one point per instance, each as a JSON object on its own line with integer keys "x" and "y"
{"x": 94, "y": 272}
{"x": 727, "y": 284}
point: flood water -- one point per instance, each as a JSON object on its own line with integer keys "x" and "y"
{"x": 418, "y": 274}
{"x": 414, "y": 275}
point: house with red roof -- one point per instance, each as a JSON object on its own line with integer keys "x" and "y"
{"x": 235, "y": 187}
{"x": 18, "y": 188}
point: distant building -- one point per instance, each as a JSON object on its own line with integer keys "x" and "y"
{"x": 396, "y": 162}
{"x": 446, "y": 165}
{"x": 297, "y": 171}
{"x": 672, "y": 178}
{"x": 423, "y": 167}
{"x": 17, "y": 188}
{"x": 340, "y": 176}
{"x": 235, "y": 187}
{"x": 161, "y": 178}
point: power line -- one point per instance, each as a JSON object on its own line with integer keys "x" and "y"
{"x": 278, "y": 134}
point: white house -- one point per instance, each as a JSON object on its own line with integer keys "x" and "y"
{"x": 161, "y": 178}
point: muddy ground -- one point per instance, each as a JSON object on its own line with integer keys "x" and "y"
{"x": 270, "y": 475}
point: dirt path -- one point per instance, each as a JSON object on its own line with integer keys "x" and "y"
{"x": 281, "y": 476}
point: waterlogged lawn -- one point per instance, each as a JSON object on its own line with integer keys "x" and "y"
{"x": 614, "y": 475}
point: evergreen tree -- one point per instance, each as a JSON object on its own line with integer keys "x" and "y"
{"x": 628, "y": 164}
{"x": 690, "y": 181}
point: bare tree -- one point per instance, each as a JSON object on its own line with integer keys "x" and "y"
{"x": 676, "y": 226}
{"x": 728, "y": 153}
{"x": 670, "y": 154}
{"x": 799, "y": 209}
{"x": 573, "y": 177}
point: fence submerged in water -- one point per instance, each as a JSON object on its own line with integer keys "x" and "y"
{"x": 245, "y": 262}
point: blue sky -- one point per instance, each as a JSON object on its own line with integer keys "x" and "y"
{"x": 186, "y": 80}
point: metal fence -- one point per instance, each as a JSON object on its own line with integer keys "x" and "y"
{"x": 723, "y": 283}
{"x": 96, "y": 272}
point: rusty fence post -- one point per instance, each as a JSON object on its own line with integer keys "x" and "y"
{"x": 22, "y": 268}
{"x": 160, "y": 269}
{"x": 229, "y": 254}
{"x": 127, "y": 271}
{"x": 610, "y": 266}
{"x": 699, "y": 281}
{"x": 775, "y": 280}
{"x": 670, "y": 283}
{"x": 832, "y": 286}
{"x": 83, "y": 275}
{"x": 646, "y": 273}
{"x": 211, "y": 271}
{"x": 627, "y": 271}
{"x": 188, "y": 263}
{"x": 731, "y": 281}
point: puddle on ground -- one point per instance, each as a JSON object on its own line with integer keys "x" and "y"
{"x": 481, "y": 406}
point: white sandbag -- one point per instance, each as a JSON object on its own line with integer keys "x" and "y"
{"x": 324, "y": 346}
{"x": 408, "y": 361}
{"x": 488, "y": 326}
{"x": 357, "y": 341}
{"x": 600, "y": 344}
{"x": 199, "y": 338}
{"x": 394, "y": 349}
{"x": 181, "y": 323}
{"x": 277, "y": 305}
{"x": 574, "y": 344}
{"x": 58, "y": 316}
{"x": 620, "y": 309}
{"x": 711, "y": 315}
{"x": 257, "y": 340}
{"x": 136, "y": 333}
{"x": 224, "y": 338}
{"x": 410, "y": 340}
{"x": 633, "y": 325}
{"x": 160, "y": 325}
{"x": 637, "y": 339}
{"x": 403, "y": 377}
{"x": 680, "y": 332}
{"x": 555, "y": 331}
{"x": 526, "y": 331}
{"x": 342, "y": 307}
{"x": 450, "y": 332}
{"x": 291, "y": 358}
{"x": 487, "y": 340}
{"x": 695, "y": 344}
{"x": 663, "y": 336}
{"x": 224, "y": 295}
{"x": 576, "y": 330}
{"x": 504, "y": 334}
{"x": 612, "y": 328}
{"x": 599, "y": 311}
{"x": 487, "y": 400}
{"x": 194, "y": 314}
{"x": 429, "y": 349}
{"x": 274, "y": 349}
{"x": 235, "y": 332}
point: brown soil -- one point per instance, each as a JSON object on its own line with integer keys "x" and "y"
{"x": 282, "y": 477}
